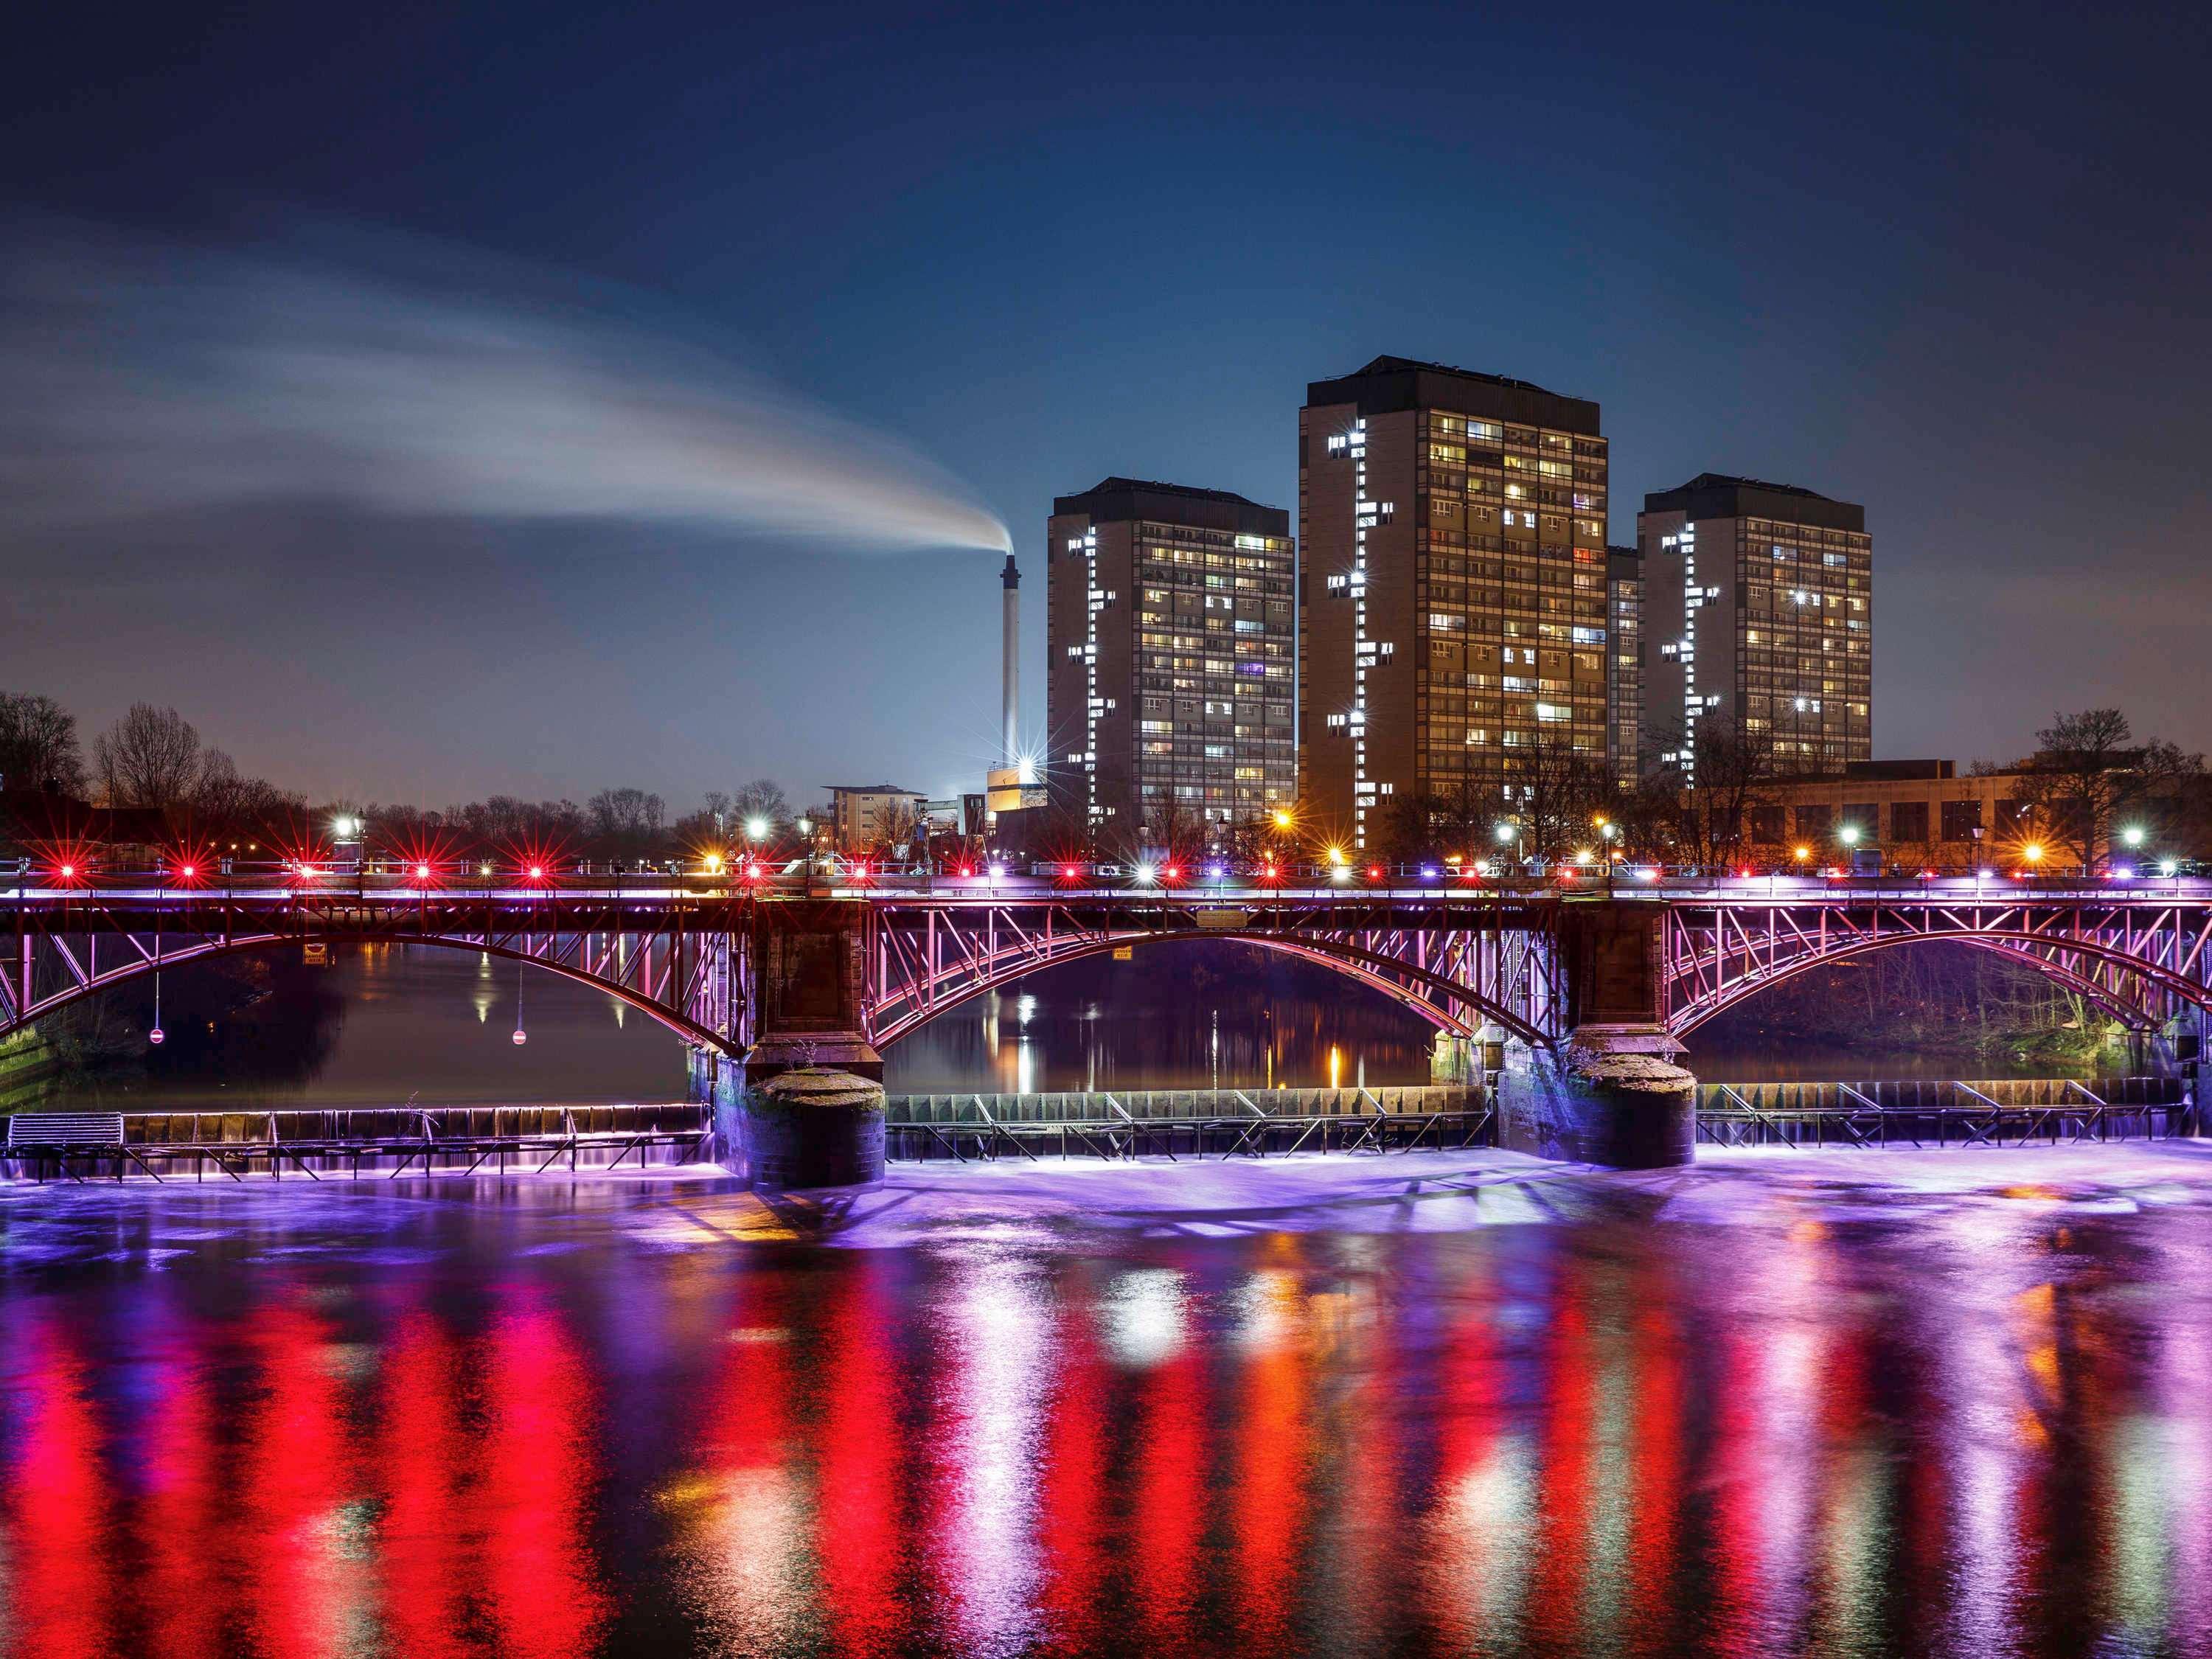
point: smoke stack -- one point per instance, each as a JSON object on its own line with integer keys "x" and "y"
{"x": 1011, "y": 578}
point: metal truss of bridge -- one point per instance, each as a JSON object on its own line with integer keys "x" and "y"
{"x": 674, "y": 955}
{"x": 1461, "y": 963}
{"x": 2143, "y": 958}
{"x": 723, "y": 965}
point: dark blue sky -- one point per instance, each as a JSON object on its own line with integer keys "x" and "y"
{"x": 1956, "y": 265}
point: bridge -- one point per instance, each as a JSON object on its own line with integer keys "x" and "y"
{"x": 730, "y": 966}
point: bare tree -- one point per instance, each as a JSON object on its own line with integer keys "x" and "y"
{"x": 1556, "y": 790}
{"x": 38, "y": 744}
{"x": 629, "y": 821}
{"x": 1172, "y": 828}
{"x": 762, "y": 798}
{"x": 1717, "y": 772}
{"x": 151, "y": 757}
{"x": 2088, "y": 774}
{"x": 223, "y": 799}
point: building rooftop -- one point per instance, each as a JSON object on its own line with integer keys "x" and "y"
{"x": 1729, "y": 481}
{"x": 1724, "y": 495}
{"x": 868, "y": 789}
{"x": 1388, "y": 365}
{"x": 1117, "y": 500}
{"x": 1388, "y": 385}
{"x": 1151, "y": 487}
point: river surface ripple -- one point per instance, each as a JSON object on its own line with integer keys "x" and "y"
{"x": 1830, "y": 1403}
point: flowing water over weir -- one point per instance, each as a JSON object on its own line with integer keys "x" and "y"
{"x": 1127, "y": 1124}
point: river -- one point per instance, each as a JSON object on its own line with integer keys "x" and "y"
{"x": 1854, "y": 1404}
{"x": 1839, "y": 1403}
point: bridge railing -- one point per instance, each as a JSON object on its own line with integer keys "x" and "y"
{"x": 180, "y": 879}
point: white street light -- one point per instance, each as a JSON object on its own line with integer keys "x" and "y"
{"x": 757, "y": 828}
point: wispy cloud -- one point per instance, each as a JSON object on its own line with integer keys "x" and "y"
{"x": 144, "y": 378}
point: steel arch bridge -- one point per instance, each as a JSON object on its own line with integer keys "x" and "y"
{"x": 1460, "y": 966}
{"x": 678, "y": 962}
{"x": 723, "y": 966}
{"x": 2143, "y": 958}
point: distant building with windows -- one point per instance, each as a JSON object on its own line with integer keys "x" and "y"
{"x": 1922, "y": 815}
{"x": 1758, "y": 606}
{"x": 1171, "y": 657}
{"x": 867, "y": 815}
{"x": 1623, "y": 665}
{"x": 1453, "y": 586}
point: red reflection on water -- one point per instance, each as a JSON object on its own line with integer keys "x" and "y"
{"x": 1072, "y": 1479}
{"x": 1267, "y": 1500}
{"x": 857, "y": 1525}
{"x": 1655, "y": 1466}
{"x": 1567, "y": 1471}
{"x": 1467, "y": 1580}
{"x": 58, "y": 1505}
{"x": 429, "y": 1555}
{"x": 302, "y": 1583}
{"x": 181, "y": 1515}
{"x": 743, "y": 1511}
{"x": 541, "y": 1581}
{"x": 1170, "y": 1511}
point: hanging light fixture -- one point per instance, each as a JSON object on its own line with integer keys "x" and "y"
{"x": 156, "y": 1036}
{"x": 521, "y": 1037}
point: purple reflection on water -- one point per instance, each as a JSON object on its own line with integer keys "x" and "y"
{"x": 1949, "y": 1404}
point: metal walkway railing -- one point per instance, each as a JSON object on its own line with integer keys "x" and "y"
{"x": 1183, "y": 1123}
{"x": 1985, "y": 1113}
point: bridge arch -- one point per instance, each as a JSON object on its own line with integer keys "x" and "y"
{"x": 681, "y": 1025}
{"x": 1429, "y": 995}
{"x": 2039, "y": 951}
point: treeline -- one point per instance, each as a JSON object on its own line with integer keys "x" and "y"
{"x": 157, "y": 780}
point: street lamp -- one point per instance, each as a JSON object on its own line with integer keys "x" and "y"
{"x": 757, "y": 828}
{"x": 2133, "y": 835}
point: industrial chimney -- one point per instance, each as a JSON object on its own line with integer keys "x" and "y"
{"x": 1011, "y": 578}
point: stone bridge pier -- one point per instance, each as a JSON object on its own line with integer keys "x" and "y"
{"x": 805, "y": 1105}
{"x": 1610, "y": 1092}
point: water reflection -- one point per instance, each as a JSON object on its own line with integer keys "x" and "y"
{"x": 378, "y": 1423}
{"x": 1208, "y": 1015}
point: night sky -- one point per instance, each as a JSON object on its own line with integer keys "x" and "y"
{"x": 1955, "y": 265}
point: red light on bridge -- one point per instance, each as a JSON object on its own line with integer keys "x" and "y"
{"x": 538, "y": 872}
{"x": 68, "y": 872}
{"x": 965, "y": 870}
{"x": 421, "y": 872}
{"x": 1269, "y": 871}
{"x": 188, "y": 870}
{"x": 1173, "y": 872}
{"x": 1374, "y": 872}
